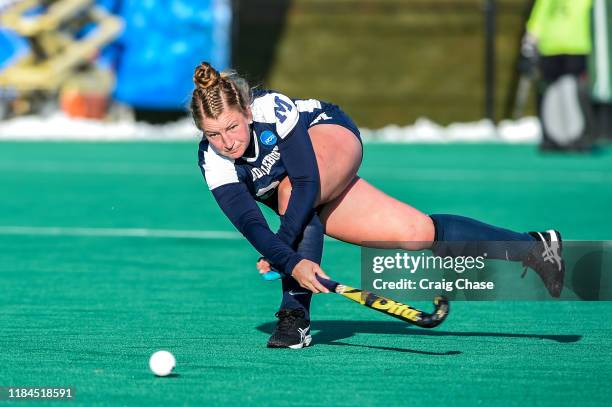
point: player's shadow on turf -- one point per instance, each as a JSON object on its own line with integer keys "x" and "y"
{"x": 419, "y": 352}
{"x": 330, "y": 332}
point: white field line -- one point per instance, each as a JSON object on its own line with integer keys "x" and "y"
{"x": 120, "y": 232}
{"x": 424, "y": 174}
{"x": 124, "y": 232}
{"x": 99, "y": 168}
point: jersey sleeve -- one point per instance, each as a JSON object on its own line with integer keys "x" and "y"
{"x": 538, "y": 17}
{"x": 216, "y": 169}
{"x": 241, "y": 209}
{"x": 286, "y": 115}
{"x": 300, "y": 162}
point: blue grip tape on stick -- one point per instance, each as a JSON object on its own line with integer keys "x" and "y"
{"x": 271, "y": 276}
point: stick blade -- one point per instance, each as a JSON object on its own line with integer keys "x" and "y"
{"x": 441, "y": 310}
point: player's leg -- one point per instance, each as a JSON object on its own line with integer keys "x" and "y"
{"x": 366, "y": 216}
{"x": 293, "y": 327}
{"x": 356, "y": 212}
{"x": 310, "y": 247}
{"x": 563, "y": 105}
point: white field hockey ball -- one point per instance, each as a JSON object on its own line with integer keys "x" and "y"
{"x": 162, "y": 363}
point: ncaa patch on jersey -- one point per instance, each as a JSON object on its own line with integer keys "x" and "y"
{"x": 268, "y": 138}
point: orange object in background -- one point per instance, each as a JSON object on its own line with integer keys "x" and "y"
{"x": 86, "y": 94}
{"x": 84, "y": 105}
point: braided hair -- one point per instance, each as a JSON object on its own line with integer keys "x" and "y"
{"x": 214, "y": 92}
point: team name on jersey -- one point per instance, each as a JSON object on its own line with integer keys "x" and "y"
{"x": 266, "y": 164}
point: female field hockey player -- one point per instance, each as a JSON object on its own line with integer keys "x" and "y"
{"x": 301, "y": 158}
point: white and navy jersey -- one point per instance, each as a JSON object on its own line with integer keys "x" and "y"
{"x": 275, "y": 116}
{"x": 279, "y": 147}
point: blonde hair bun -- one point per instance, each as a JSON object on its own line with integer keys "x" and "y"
{"x": 205, "y": 76}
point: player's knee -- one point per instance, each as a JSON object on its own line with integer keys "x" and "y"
{"x": 418, "y": 234}
{"x": 284, "y": 193}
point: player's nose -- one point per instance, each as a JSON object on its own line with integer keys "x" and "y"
{"x": 228, "y": 142}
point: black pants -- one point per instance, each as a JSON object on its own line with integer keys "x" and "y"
{"x": 553, "y": 68}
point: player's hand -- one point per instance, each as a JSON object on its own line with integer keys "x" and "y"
{"x": 263, "y": 265}
{"x": 306, "y": 272}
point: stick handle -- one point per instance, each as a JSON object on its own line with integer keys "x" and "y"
{"x": 331, "y": 285}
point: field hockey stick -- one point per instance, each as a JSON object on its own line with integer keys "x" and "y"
{"x": 390, "y": 307}
{"x": 385, "y": 305}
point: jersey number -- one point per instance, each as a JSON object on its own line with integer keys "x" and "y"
{"x": 280, "y": 107}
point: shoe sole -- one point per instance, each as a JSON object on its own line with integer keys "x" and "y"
{"x": 303, "y": 344}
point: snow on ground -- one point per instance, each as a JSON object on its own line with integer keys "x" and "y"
{"x": 525, "y": 130}
{"x": 60, "y": 127}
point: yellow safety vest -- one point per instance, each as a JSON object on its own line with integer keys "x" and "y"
{"x": 561, "y": 26}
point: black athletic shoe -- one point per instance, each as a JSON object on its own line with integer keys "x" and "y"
{"x": 546, "y": 260}
{"x": 292, "y": 330}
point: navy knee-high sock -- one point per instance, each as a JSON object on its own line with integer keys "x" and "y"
{"x": 478, "y": 238}
{"x": 311, "y": 247}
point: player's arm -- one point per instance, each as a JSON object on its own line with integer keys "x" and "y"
{"x": 242, "y": 210}
{"x": 300, "y": 162}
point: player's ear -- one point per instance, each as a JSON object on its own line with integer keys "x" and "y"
{"x": 249, "y": 115}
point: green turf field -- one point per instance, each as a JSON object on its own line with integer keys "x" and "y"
{"x": 97, "y": 272}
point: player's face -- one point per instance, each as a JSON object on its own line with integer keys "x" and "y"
{"x": 229, "y": 133}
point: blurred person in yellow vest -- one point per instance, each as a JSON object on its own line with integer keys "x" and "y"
{"x": 559, "y": 33}
{"x": 600, "y": 62}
